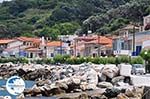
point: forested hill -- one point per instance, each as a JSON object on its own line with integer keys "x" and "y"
{"x": 54, "y": 17}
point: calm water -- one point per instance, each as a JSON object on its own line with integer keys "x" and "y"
{"x": 28, "y": 84}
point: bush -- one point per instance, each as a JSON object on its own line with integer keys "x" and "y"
{"x": 70, "y": 61}
{"x": 60, "y": 58}
{"x": 23, "y": 60}
{"x": 14, "y": 60}
{"x": 111, "y": 60}
{"x": 145, "y": 55}
{"x": 98, "y": 60}
{"x": 76, "y": 60}
{"x": 123, "y": 59}
{"x": 43, "y": 61}
{"x": 80, "y": 60}
{"x": 137, "y": 60}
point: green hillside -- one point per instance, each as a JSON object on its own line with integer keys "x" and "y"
{"x": 55, "y": 17}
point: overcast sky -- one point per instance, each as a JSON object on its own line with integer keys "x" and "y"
{"x": 4, "y": 0}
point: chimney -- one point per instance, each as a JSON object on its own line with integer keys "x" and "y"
{"x": 43, "y": 40}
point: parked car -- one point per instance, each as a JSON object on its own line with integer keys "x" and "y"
{"x": 138, "y": 69}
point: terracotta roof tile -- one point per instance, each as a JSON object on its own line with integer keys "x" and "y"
{"x": 6, "y": 41}
{"x": 32, "y": 49}
{"x": 54, "y": 43}
{"x": 35, "y": 40}
{"x": 86, "y": 38}
{"x": 101, "y": 40}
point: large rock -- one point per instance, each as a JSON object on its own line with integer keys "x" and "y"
{"x": 7, "y": 97}
{"x": 81, "y": 95}
{"x": 62, "y": 85}
{"x": 1, "y": 97}
{"x": 91, "y": 87}
{"x": 43, "y": 82}
{"x": 83, "y": 86}
{"x": 92, "y": 76}
{"x": 21, "y": 96}
{"x": 76, "y": 81}
{"x": 27, "y": 92}
{"x": 102, "y": 77}
{"x": 97, "y": 68}
{"x": 110, "y": 70}
{"x": 138, "y": 92}
{"x": 129, "y": 93}
{"x": 36, "y": 91}
{"x": 112, "y": 92}
{"x": 105, "y": 85}
{"x": 122, "y": 96}
{"x": 117, "y": 79}
{"x": 96, "y": 94}
{"x": 56, "y": 91}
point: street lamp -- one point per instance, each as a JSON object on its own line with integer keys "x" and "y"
{"x": 89, "y": 31}
{"x": 145, "y": 53}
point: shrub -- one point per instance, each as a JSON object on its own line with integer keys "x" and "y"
{"x": 145, "y": 55}
{"x": 123, "y": 59}
{"x": 95, "y": 60}
{"x": 111, "y": 60}
{"x": 43, "y": 61}
{"x": 14, "y": 60}
{"x": 23, "y": 60}
{"x": 88, "y": 59}
{"x": 60, "y": 58}
{"x": 80, "y": 60}
{"x": 98, "y": 60}
{"x": 70, "y": 61}
{"x": 137, "y": 60}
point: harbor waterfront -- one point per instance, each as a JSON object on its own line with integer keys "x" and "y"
{"x": 86, "y": 80}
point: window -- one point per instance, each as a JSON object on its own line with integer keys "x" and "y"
{"x": 115, "y": 45}
{"x": 24, "y": 43}
{"x": 122, "y": 45}
{"x": 52, "y": 54}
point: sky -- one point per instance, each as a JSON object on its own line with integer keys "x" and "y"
{"x": 4, "y": 0}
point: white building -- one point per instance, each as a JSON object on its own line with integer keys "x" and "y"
{"x": 146, "y": 21}
{"x": 10, "y": 47}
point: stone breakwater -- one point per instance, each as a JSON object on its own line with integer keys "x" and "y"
{"x": 84, "y": 81}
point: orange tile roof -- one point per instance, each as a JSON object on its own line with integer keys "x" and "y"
{"x": 54, "y": 43}
{"x": 101, "y": 40}
{"x": 85, "y": 38}
{"x": 6, "y": 41}
{"x": 32, "y": 49}
{"x": 27, "y": 39}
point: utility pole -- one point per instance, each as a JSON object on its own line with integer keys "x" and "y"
{"x": 75, "y": 47}
{"x": 61, "y": 43}
{"x": 134, "y": 38}
{"x": 99, "y": 53}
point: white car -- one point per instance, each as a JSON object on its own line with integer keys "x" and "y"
{"x": 138, "y": 69}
